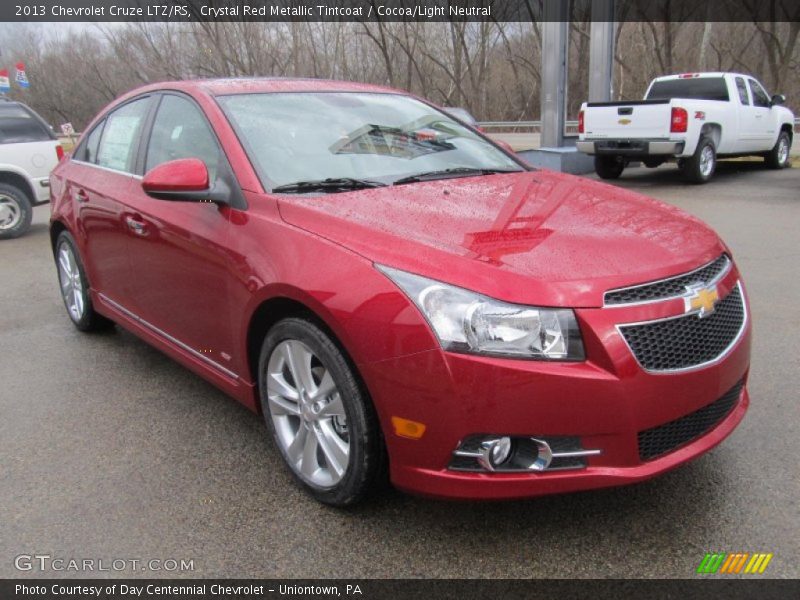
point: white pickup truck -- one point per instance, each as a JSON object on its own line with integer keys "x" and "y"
{"x": 694, "y": 118}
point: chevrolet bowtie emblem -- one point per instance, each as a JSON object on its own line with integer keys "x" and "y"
{"x": 700, "y": 299}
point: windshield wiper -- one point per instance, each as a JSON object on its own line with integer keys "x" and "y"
{"x": 451, "y": 173}
{"x": 332, "y": 184}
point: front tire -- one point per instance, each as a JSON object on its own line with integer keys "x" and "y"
{"x": 700, "y": 167}
{"x": 321, "y": 420}
{"x": 609, "y": 167}
{"x": 16, "y": 212}
{"x": 74, "y": 286}
{"x": 778, "y": 157}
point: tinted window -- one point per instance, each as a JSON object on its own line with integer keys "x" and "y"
{"x": 699, "y": 88}
{"x": 180, "y": 130}
{"x": 120, "y": 134}
{"x": 18, "y": 124}
{"x": 742, "y": 89}
{"x": 760, "y": 97}
{"x": 89, "y": 150}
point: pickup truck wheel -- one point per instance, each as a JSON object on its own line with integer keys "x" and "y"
{"x": 700, "y": 167}
{"x": 321, "y": 420}
{"x": 609, "y": 167}
{"x": 16, "y": 212}
{"x": 778, "y": 157}
{"x": 75, "y": 286}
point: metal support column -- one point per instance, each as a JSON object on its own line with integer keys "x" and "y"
{"x": 601, "y": 51}
{"x": 554, "y": 72}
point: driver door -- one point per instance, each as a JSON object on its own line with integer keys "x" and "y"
{"x": 179, "y": 262}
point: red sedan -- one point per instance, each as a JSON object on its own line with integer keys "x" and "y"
{"x": 395, "y": 293}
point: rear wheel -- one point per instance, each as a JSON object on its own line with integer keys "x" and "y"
{"x": 321, "y": 420}
{"x": 75, "y": 286}
{"x": 778, "y": 157}
{"x": 16, "y": 212}
{"x": 700, "y": 167}
{"x": 609, "y": 167}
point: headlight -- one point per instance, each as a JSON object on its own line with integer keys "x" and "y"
{"x": 466, "y": 321}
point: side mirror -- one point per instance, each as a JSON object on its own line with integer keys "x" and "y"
{"x": 184, "y": 180}
{"x": 778, "y": 100}
{"x": 504, "y": 145}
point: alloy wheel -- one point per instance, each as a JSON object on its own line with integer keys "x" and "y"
{"x": 706, "y": 161}
{"x": 72, "y": 288}
{"x": 10, "y": 213}
{"x": 783, "y": 150}
{"x": 308, "y": 413}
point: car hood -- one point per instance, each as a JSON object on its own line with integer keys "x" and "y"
{"x": 535, "y": 237}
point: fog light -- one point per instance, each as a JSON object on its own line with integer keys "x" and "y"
{"x": 494, "y": 452}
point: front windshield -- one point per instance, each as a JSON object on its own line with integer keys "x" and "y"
{"x": 294, "y": 137}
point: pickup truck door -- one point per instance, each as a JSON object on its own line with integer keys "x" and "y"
{"x": 757, "y": 123}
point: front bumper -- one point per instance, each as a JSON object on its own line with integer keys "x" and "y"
{"x": 605, "y": 401}
{"x": 633, "y": 148}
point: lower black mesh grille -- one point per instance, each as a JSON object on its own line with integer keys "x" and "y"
{"x": 668, "y": 437}
{"x": 687, "y": 341}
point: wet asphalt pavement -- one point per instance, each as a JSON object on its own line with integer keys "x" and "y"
{"x": 110, "y": 450}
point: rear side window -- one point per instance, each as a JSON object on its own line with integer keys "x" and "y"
{"x": 742, "y": 89}
{"x": 760, "y": 97}
{"x": 120, "y": 136}
{"x": 698, "y": 88}
{"x": 180, "y": 130}
{"x": 18, "y": 125}
{"x": 88, "y": 151}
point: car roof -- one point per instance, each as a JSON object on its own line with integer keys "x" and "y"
{"x": 262, "y": 85}
{"x": 699, "y": 75}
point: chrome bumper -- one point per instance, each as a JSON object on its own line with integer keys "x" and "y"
{"x": 630, "y": 147}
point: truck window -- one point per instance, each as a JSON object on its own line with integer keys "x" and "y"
{"x": 698, "y": 88}
{"x": 760, "y": 97}
{"x": 18, "y": 125}
{"x": 742, "y": 89}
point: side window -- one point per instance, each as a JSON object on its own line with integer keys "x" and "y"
{"x": 742, "y": 89}
{"x": 118, "y": 143}
{"x": 18, "y": 125}
{"x": 89, "y": 151}
{"x": 180, "y": 130}
{"x": 760, "y": 97}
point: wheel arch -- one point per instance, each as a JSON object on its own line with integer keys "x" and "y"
{"x": 56, "y": 227}
{"x": 285, "y": 305}
{"x": 713, "y": 131}
{"x": 788, "y": 128}
{"x": 19, "y": 181}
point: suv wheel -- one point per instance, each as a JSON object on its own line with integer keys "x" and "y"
{"x": 778, "y": 157}
{"x": 16, "y": 212}
{"x": 75, "y": 287}
{"x": 321, "y": 420}
{"x": 609, "y": 167}
{"x": 700, "y": 167}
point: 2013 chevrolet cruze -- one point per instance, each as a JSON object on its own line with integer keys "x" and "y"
{"x": 394, "y": 291}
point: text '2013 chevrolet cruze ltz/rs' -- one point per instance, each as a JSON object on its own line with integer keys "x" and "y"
{"x": 397, "y": 294}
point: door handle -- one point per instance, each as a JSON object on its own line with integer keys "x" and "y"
{"x": 81, "y": 195}
{"x": 136, "y": 226}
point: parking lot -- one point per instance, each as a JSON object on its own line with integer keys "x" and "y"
{"x": 108, "y": 449}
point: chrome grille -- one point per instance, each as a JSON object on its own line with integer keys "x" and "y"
{"x": 687, "y": 341}
{"x": 668, "y": 437}
{"x": 672, "y": 287}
